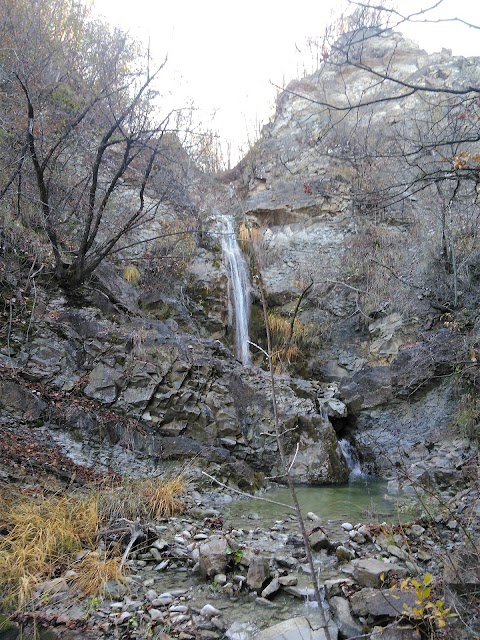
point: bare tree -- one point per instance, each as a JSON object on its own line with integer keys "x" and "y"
{"x": 83, "y": 129}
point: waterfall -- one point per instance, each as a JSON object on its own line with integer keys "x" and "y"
{"x": 238, "y": 288}
{"x": 351, "y": 458}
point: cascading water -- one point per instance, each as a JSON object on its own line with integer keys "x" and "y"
{"x": 351, "y": 458}
{"x": 238, "y": 288}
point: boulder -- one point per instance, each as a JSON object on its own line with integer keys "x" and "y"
{"x": 301, "y": 628}
{"x": 20, "y": 401}
{"x": 258, "y": 572}
{"x": 368, "y": 571}
{"x": 212, "y": 558}
{"x": 347, "y": 626}
{"x": 318, "y": 540}
{"x": 381, "y": 603}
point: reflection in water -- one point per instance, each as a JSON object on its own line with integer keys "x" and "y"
{"x": 361, "y": 500}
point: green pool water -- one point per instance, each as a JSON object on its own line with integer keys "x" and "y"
{"x": 362, "y": 500}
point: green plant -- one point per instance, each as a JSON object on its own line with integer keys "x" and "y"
{"x": 236, "y": 555}
{"x": 91, "y": 605}
{"x": 429, "y": 613}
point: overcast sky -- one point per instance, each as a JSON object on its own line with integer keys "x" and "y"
{"x": 225, "y": 55}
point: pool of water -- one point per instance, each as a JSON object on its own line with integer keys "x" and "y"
{"x": 362, "y": 500}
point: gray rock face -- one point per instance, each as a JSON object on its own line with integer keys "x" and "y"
{"x": 18, "y": 400}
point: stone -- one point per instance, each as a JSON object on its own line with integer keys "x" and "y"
{"x": 209, "y": 611}
{"x": 103, "y": 383}
{"x": 396, "y": 552}
{"x": 155, "y": 614}
{"x": 367, "y": 571}
{"x": 384, "y": 602}
{"x": 271, "y": 588}
{"x": 212, "y": 557}
{"x": 357, "y": 537}
{"x": 344, "y": 554}
{"x": 347, "y": 626}
{"x": 401, "y": 632}
{"x": 318, "y": 540}
{"x": 20, "y": 401}
{"x": 288, "y": 581}
{"x": 258, "y": 572}
{"x": 301, "y": 628}
{"x": 347, "y": 526}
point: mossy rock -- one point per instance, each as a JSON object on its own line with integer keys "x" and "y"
{"x": 8, "y": 629}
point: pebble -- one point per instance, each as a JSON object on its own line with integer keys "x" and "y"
{"x": 347, "y": 526}
{"x": 162, "y": 566}
{"x": 208, "y": 611}
{"x": 178, "y": 608}
{"x": 155, "y": 614}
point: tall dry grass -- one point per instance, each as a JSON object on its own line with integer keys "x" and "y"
{"x": 46, "y": 536}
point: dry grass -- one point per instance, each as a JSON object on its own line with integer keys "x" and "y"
{"x": 45, "y": 533}
{"x": 147, "y": 498}
{"x": 131, "y": 274}
{"x": 95, "y": 570}
{"x": 290, "y": 345}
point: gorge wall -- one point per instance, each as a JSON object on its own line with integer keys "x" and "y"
{"x": 137, "y": 378}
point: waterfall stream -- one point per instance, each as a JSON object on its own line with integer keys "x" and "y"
{"x": 351, "y": 458}
{"x": 238, "y": 288}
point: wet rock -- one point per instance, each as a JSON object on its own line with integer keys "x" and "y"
{"x": 258, "y": 572}
{"x": 240, "y": 631}
{"x": 288, "y": 581}
{"x": 318, "y": 540}
{"x": 271, "y": 588}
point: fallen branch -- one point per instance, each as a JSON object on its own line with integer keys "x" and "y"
{"x": 247, "y": 495}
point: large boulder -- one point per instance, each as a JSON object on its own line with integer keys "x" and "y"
{"x": 212, "y": 557}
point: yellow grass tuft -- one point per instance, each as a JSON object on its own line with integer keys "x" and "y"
{"x": 164, "y": 497}
{"x": 45, "y": 533}
{"x": 147, "y": 498}
{"x": 132, "y": 274}
{"x": 95, "y": 570}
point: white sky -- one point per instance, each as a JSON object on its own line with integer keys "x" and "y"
{"x": 225, "y": 55}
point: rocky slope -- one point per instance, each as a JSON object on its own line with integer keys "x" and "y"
{"x": 135, "y": 379}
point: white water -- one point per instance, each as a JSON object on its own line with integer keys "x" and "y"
{"x": 351, "y": 458}
{"x": 238, "y": 289}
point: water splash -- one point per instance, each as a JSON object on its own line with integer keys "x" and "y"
{"x": 238, "y": 288}
{"x": 351, "y": 458}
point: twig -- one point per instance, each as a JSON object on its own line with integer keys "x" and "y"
{"x": 136, "y": 533}
{"x": 247, "y": 495}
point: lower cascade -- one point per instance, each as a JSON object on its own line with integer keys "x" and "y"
{"x": 239, "y": 289}
{"x": 351, "y": 458}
